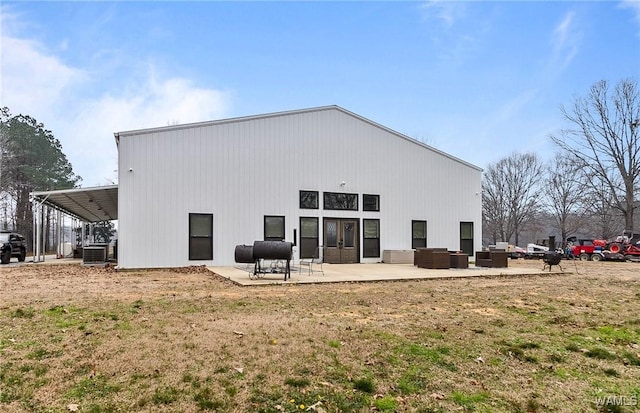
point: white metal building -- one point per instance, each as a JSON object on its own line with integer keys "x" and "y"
{"x": 188, "y": 194}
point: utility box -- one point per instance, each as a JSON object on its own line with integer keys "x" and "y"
{"x": 95, "y": 254}
{"x": 397, "y": 256}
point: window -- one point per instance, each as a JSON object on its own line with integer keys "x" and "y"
{"x": 371, "y": 238}
{"x": 339, "y": 200}
{"x": 308, "y": 236}
{"x": 273, "y": 228}
{"x": 466, "y": 237}
{"x": 418, "y": 234}
{"x": 370, "y": 202}
{"x": 200, "y": 236}
{"x": 308, "y": 199}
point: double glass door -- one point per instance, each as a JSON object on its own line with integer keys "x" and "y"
{"x": 341, "y": 240}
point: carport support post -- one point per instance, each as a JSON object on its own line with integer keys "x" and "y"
{"x": 36, "y": 208}
{"x": 86, "y": 240}
{"x": 59, "y": 252}
{"x": 36, "y": 231}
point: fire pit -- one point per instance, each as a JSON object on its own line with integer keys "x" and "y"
{"x": 552, "y": 258}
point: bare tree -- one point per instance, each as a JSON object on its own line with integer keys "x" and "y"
{"x": 604, "y": 221}
{"x": 511, "y": 194}
{"x": 604, "y": 140}
{"x": 565, "y": 197}
{"x": 494, "y": 206}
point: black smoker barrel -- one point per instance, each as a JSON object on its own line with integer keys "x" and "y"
{"x": 272, "y": 250}
{"x": 244, "y": 254}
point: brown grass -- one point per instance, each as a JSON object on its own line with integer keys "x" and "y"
{"x": 97, "y": 340}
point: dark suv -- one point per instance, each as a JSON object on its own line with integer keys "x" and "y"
{"x": 12, "y": 245}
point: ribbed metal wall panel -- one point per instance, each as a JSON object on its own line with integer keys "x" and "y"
{"x": 242, "y": 170}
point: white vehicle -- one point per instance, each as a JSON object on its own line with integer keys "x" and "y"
{"x": 535, "y": 251}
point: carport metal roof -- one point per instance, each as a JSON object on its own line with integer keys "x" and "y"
{"x": 88, "y": 204}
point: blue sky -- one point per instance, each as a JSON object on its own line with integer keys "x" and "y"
{"x": 476, "y": 79}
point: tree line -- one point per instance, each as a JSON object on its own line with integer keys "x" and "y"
{"x": 589, "y": 187}
{"x": 31, "y": 159}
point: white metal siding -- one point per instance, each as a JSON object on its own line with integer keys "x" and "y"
{"x": 242, "y": 170}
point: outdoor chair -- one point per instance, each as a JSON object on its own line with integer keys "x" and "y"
{"x": 315, "y": 261}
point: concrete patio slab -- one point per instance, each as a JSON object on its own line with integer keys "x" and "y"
{"x": 334, "y": 273}
{"x": 345, "y": 273}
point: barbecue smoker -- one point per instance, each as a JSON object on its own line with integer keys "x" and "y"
{"x": 267, "y": 257}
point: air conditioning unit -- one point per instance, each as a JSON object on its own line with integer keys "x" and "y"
{"x": 94, "y": 255}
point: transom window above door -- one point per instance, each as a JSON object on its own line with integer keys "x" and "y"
{"x": 340, "y": 201}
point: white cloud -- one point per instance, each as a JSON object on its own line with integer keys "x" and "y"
{"x": 565, "y": 42}
{"x": 31, "y": 79}
{"x": 36, "y": 82}
{"x": 447, "y": 12}
{"x": 456, "y": 34}
{"x": 516, "y": 106}
{"x": 154, "y": 103}
{"x": 634, "y": 5}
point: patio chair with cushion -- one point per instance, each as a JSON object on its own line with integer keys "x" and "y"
{"x": 316, "y": 261}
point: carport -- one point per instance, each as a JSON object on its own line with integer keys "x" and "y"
{"x": 88, "y": 205}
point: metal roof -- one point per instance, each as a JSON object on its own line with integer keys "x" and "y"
{"x": 88, "y": 204}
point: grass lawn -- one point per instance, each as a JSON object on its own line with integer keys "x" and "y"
{"x": 96, "y": 340}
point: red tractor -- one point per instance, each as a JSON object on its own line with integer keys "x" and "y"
{"x": 591, "y": 250}
{"x": 627, "y": 244}
{"x": 624, "y": 247}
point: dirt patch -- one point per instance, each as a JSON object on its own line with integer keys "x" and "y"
{"x": 63, "y": 282}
